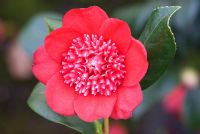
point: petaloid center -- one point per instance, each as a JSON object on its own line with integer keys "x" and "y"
{"x": 93, "y": 65}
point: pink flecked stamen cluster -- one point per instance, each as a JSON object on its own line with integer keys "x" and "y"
{"x": 93, "y": 65}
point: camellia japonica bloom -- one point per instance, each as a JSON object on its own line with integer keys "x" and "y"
{"x": 91, "y": 66}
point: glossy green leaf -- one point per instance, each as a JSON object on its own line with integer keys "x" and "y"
{"x": 159, "y": 42}
{"x": 38, "y": 104}
{"x": 53, "y": 23}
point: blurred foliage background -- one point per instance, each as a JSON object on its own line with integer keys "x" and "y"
{"x": 166, "y": 109}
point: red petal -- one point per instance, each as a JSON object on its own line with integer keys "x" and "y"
{"x": 90, "y": 108}
{"x": 136, "y": 63}
{"x": 43, "y": 67}
{"x": 128, "y": 99}
{"x": 118, "y": 31}
{"x": 85, "y": 20}
{"x": 58, "y": 42}
{"x": 59, "y": 96}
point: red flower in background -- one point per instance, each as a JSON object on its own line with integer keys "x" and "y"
{"x": 117, "y": 128}
{"x": 91, "y": 66}
{"x": 174, "y": 100}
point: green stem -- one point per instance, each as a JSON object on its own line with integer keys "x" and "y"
{"x": 106, "y": 126}
{"x": 98, "y": 125}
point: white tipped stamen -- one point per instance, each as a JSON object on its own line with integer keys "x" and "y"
{"x": 93, "y": 65}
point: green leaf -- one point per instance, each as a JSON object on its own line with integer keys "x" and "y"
{"x": 191, "y": 114}
{"x": 33, "y": 33}
{"x": 159, "y": 42}
{"x": 38, "y": 104}
{"x": 53, "y": 23}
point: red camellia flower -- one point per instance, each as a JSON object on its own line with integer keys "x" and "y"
{"x": 91, "y": 66}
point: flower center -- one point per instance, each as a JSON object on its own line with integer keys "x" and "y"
{"x": 93, "y": 65}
